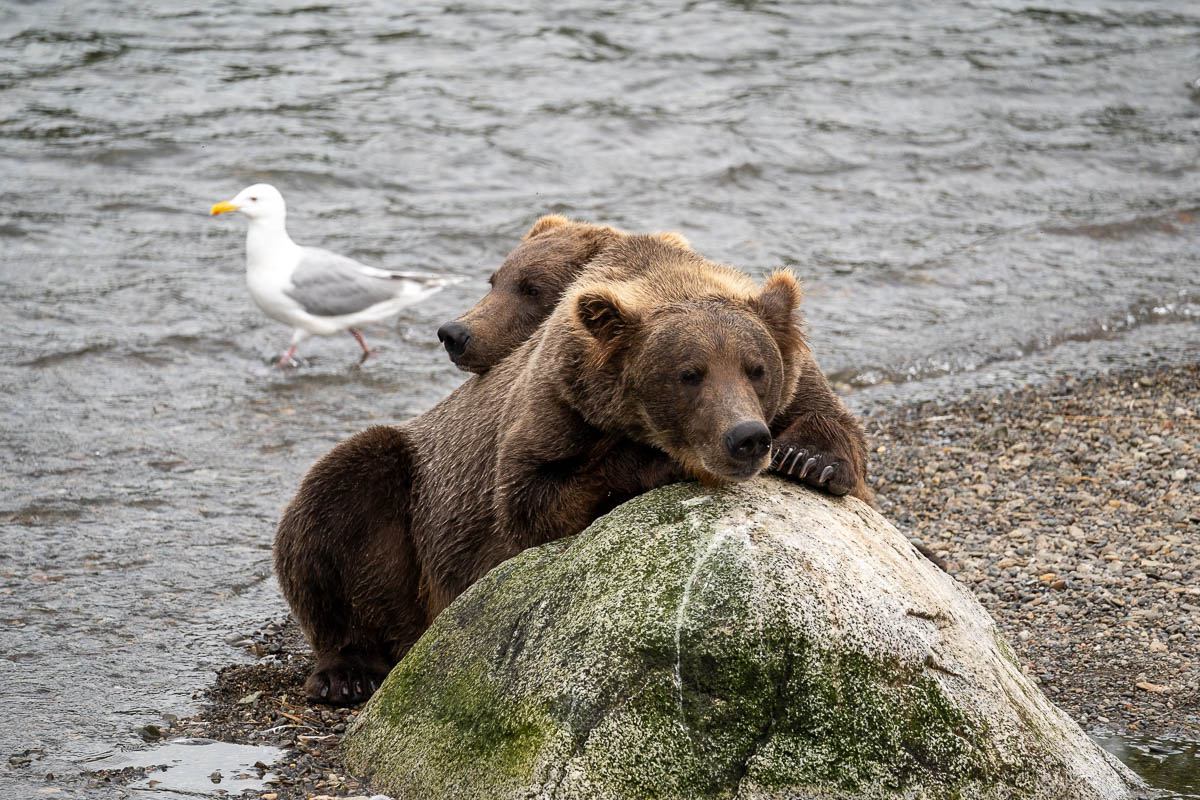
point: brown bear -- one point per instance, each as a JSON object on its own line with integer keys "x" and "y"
{"x": 527, "y": 287}
{"x": 628, "y": 385}
{"x": 817, "y": 441}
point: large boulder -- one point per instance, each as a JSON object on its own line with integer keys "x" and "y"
{"x": 762, "y": 641}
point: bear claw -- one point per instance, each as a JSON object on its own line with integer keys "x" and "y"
{"x": 792, "y": 453}
{"x": 345, "y": 680}
{"x": 813, "y": 468}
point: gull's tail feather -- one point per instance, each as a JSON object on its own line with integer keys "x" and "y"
{"x": 424, "y": 284}
{"x": 410, "y": 289}
{"x": 440, "y": 281}
{"x": 431, "y": 278}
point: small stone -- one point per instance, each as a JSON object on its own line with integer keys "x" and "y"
{"x": 215, "y": 777}
{"x": 250, "y": 698}
{"x": 1023, "y": 636}
{"x": 1151, "y": 687}
{"x": 1047, "y": 577}
{"x": 1179, "y": 474}
{"x": 1058, "y": 585}
{"x": 150, "y": 733}
{"x": 1158, "y": 647}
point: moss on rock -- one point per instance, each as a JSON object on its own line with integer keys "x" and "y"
{"x": 757, "y": 642}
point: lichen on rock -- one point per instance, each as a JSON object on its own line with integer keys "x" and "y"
{"x": 761, "y": 641}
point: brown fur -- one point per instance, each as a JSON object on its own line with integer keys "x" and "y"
{"x": 597, "y": 406}
{"x": 530, "y": 282}
{"x": 816, "y": 440}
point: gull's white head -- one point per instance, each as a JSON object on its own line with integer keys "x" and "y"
{"x": 260, "y": 201}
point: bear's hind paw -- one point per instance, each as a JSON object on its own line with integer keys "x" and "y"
{"x": 344, "y": 681}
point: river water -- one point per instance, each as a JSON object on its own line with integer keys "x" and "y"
{"x": 975, "y": 193}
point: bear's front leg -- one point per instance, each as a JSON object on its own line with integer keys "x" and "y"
{"x": 556, "y": 485}
{"x": 632, "y": 468}
{"x": 817, "y": 442}
{"x": 552, "y": 486}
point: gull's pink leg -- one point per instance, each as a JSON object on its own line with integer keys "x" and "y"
{"x": 286, "y": 361}
{"x": 362, "y": 343}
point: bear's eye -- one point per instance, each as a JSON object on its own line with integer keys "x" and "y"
{"x": 691, "y": 377}
{"x": 756, "y": 372}
{"x": 530, "y": 291}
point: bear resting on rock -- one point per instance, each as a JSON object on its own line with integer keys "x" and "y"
{"x": 655, "y": 366}
{"x": 816, "y": 440}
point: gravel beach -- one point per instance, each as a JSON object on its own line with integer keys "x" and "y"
{"x": 1072, "y": 510}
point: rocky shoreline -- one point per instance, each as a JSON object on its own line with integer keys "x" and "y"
{"x": 1071, "y": 509}
{"x": 1073, "y": 512}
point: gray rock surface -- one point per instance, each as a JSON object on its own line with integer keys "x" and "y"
{"x": 761, "y": 641}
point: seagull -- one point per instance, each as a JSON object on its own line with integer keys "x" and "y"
{"x": 317, "y": 292}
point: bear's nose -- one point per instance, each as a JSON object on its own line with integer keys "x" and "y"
{"x": 455, "y": 336}
{"x": 748, "y": 441}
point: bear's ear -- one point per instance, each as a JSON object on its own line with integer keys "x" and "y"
{"x": 674, "y": 238}
{"x": 544, "y": 224}
{"x": 778, "y": 301}
{"x": 604, "y": 316}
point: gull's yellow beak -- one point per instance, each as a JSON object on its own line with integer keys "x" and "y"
{"x": 221, "y": 208}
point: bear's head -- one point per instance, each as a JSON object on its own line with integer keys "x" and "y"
{"x": 690, "y": 357}
{"x": 526, "y": 288}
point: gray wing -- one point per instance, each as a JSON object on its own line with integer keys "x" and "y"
{"x": 326, "y": 284}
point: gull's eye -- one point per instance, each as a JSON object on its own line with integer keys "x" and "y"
{"x": 253, "y": 199}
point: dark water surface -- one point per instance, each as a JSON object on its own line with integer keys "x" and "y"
{"x": 975, "y": 192}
